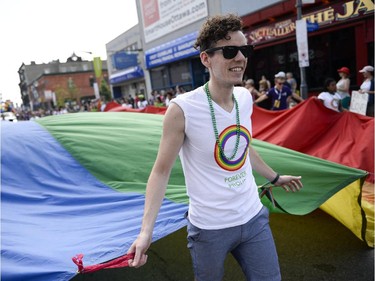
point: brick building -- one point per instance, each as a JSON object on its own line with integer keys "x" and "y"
{"x": 57, "y": 84}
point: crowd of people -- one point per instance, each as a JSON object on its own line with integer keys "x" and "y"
{"x": 282, "y": 95}
{"x": 157, "y": 98}
{"x": 337, "y": 96}
{"x": 23, "y": 113}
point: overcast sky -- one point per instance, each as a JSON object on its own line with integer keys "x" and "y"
{"x": 46, "y": 30}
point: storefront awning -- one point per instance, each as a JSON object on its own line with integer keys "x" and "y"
{"x": 126, "y": 74}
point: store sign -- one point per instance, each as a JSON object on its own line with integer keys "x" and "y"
{"x": 161, "y": 17}
{"x": 172, "y": 51}
{"x": 122, "y": 60}
{"x": 271, "y": 32}
{"x": 343, "y": 12}
{"x": 312, "y": 26}
{"x": 334, "y": 14}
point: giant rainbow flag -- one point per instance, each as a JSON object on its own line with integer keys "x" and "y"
{"x": 75, "y": 183}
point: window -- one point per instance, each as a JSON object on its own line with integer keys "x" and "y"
{"x": 180, "y": 73}
{"x": 327, "y": 53}
{"x": 159, "y": 78}
{"x": 200, "y": 73}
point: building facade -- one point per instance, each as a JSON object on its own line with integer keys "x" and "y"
{"x": 54, "y": 84}
{"x": 126, "y": 64}
{"x": 341, "y": 33}
{"x": 169, "y": 30}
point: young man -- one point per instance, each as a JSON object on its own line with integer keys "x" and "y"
{"x": 211, "y": 129}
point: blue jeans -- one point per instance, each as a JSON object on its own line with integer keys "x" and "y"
{"x": 251, "y": 244}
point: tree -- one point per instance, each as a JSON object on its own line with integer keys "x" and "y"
{"x": 72, "y": 89}
{"x": 104, "y": 90}
{"x": 61, "y": 95}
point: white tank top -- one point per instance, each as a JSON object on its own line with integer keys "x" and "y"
{"x": 340, "y": 85}
{"x": 221, "y": 193}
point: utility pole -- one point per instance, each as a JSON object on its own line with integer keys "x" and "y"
{"x": 303, "y": 86}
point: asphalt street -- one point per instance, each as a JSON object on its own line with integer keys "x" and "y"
{"x": 311, "y": 248}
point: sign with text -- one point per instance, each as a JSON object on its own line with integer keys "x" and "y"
{"x": 123, "y": 60}
{"x": 172, "y": 51}
{"x": 332, "y": 15}
{"x": 312, "y": 26}
{"x": 161, "y": 17}
{"x": 358, "y": 102}
{"x": 302, "y": 43}
{"x": 48, "y": 95}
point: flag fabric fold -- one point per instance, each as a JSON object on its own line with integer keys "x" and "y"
{"x": 119, "y": 262}
{"x": 346, "y": 138}
{"x": 342, "y": 137}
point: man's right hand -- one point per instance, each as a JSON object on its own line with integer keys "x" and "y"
{"x": 139, "y": 248}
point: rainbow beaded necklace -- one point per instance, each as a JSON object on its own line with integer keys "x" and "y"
{"x": 213, "y": 118}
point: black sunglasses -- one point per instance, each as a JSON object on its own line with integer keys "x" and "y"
{"x": 229, "y": 52}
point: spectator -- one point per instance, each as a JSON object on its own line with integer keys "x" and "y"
{"x": 343, "y": 86}
{"x": 283, "y": 75}
{"x": 367, "y": 86}
{"x": 291, "y": 81}
{"x": 330, "y": 98}
{"x": 279, "y": 94}
{"x": 249, "y": 84}
{"x": 126, "y": 103}
{"x": 142, "y": 102}
{"x": 102, "y": 104}
{"x": 136, "y": 100}
{"x": 158, "y": 102}
{"x": 264, "y": 85}
{"x": 296, "y": 96}
{"x": 153, "y": 96}
{"x": 131, "y": 101}
{"x": 179, "y": 90}
{"x": 168, "y": 97}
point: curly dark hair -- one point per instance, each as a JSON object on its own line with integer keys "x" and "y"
{"x": 328, "y": 82}
{"x": 215, "y": 29}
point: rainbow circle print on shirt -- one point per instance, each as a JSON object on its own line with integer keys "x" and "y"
{"x": 237, "y": 162}
{"x": 335, "y": 103}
